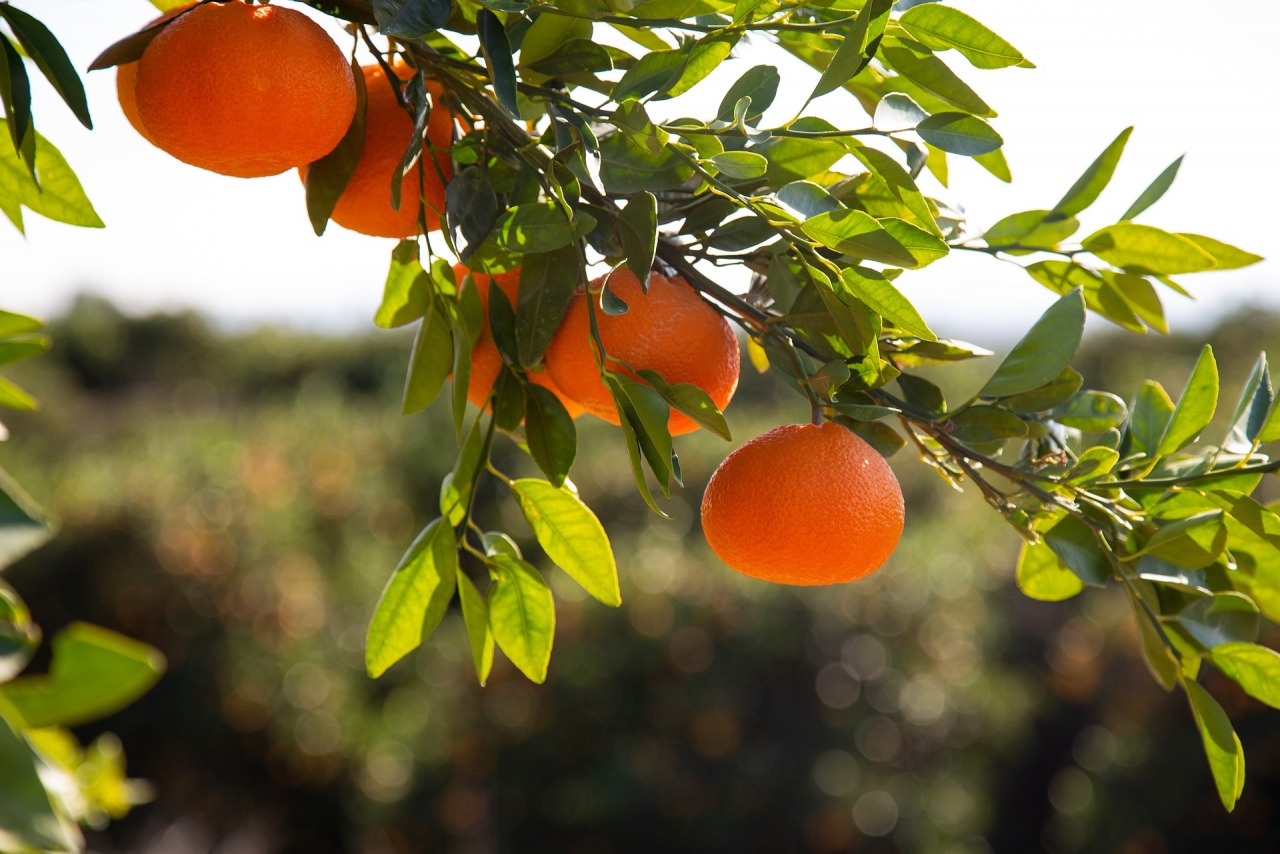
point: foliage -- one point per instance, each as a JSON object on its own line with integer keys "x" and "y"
{"x": 565, "y": 134}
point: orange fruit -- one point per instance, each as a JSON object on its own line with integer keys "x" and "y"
{"x": 486, "y": 361}
{"x": 127, "y": 78}
{"x": 365, "y": 204}
{"x": 670, "y": 330}
{"x": 244, "y": 90}
{"x": 803, "y": 504}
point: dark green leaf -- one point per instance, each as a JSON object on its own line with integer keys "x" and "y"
{"x": 1221, "y": 618}
{"x": 538, "y": 227}
{"x": 131, "y": 47}
{"x": 959, "y": 133}
{"x": 1150, "y": 417}
{"x": 471, "y": 209}
{"x": 1078, "y": 549}
{"x": 884, "y": 439}
{"x": 547, "y": 283}
{"x": 741, "y": 164}
{"x": 638, "y": 233}
{"x": 650, "y": 74}
{"x": 50, "y": 57}
{"x": 858, "y": 235}
{"x": 522, "y": 616}
{"x": 1092, "y": 412}
{"x": 1144, "y": 248}
{"x": 807, "y": 198}
{"x": 1043, "y": 352}
{"x": 627, "y": 168}
{"x": 1090, "y": 185}
{"x": 574, "y": 56}
{"x": 571, "y": 535}
{"x": 645, "y": 411}
{"x": 327, "y": 177}
{"x": 1195, "y": 407}
{"x": 94, "y": 673}
{"x": 1042, "y": 576}
{"x": 475, "y": 615}
{"x": 549, "y": 432}
{"x": 1056, "y": 391}
{"x": 1152, "y": 194}
{"x": 415, "y": 598}
{"x": 760, "y": 84}
{"x": 549, "y": 34}
{"x": 984, "y": 424}
{"x": 1221, "y": 744}
{"x": 15, "y": 96}
{"x": 1255, "y": 668}
{"x": 430, "y": 363}
{"x": 410, "y": 19}
{"x": 941, "y": 27}
{"x": 1256, "y": 399}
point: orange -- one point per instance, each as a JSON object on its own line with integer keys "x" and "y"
{"x": 671, "y": 330}
{"x": 803, "y": 504}
{"x": 126, "y": 81}
{"x": 365, "y": 204}
{"x": 244, "y": 90}
{"x": 486, "y": 361}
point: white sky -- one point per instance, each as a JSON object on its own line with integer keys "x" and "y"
{"x": 1191, "y": 80}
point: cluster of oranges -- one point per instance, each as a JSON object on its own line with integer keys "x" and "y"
{"x": 802, "y": 504}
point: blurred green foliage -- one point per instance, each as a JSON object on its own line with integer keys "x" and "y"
{"x": 235, "y": 500}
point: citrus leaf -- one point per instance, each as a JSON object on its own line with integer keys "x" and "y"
{"x": 942, "y": 27}
{"x": 859, "y": 235}
{"x": 475, "y": 616}
{"x": 326, "y": 178}
{"x": 415, "y": 599}
{"x": 856, "y": 48}
{"x": 50, "y": 57}
{"x": 522, "y": 616}
{"x": 1221, "y": 744}
{"x": 1043, "y": 352}
{"x": 571, "y": 535}
{"x": 1145, "y": 248}
{"x": 1042, "y": 576}
{"x": 1195, "y": 407}
{"x": 407, "y": 292}
{"x": 1089, "y": 186}
{"x": 959, "y": 133}
{"x": 1255, "y": 668}
{"x": 1154, "y": 191}
{"x": 430, "y": 362}
{"x": 549, "y": 432}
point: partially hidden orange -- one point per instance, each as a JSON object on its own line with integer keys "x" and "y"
{"x": 804, "y": 504}
{"x": 670, "y": 330}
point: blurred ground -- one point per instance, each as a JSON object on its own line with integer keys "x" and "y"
{"x": 239, "y": 502}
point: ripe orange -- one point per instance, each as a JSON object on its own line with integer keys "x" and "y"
{"x": 670, "y": 330}
{"x": 244, "y": 90}
{"x": 365, "y": 204}
{"x": 127, "y": 79}
{"x": 486, "y": 361}
{"x": 803, "y": 504}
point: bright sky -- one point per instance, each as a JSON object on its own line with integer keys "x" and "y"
{"x": 1192, "y": 81}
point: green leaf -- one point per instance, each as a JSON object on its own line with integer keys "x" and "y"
{"x": 1042, "y": 576}
{"x": 1221, "y": 744}
{"x": 647, "y": 414}
{"x": 28, "y": 818}
{"x": 982, "y": 424}
{"x": 15, "y": 97}
{"x": 471, "y": 209}
{"x": 497, "y": 56}
{"x": 858, "y": 235}
{"x": 1195, "y": 407}
{"x": 12, "y": 323}
{"x": 475, "y": 615}
{"x": 650, "y": 74}
{"x": 457, "y": 487}
{"x": 1089, "y": 186}
{"x": 1038, "y": 229}
{"x": 1043, "y": 352}
{"x": 58, "y": 196}
{"x": 942, "y": 27}
{"x": 741, "y": 164}
{"x": 1255, "y": 668}
{"x": 327, "y": 178}
{"x": 1149, "y": 418}
{"x": 898, "y": 183}
{"x": 430, "y": 363}
{"x": 1092, "y": 464}
{"x": 1225, "y": 256}
{"x": 856, "y": 48}
{"x": 799, "y": 159}
{"x": 548, "y": 33}
{"x": 574, "y": 56}
{"x": 705, "y": 57}
{"x": 94, "y": 673}
{"x": 1092, "y": 412}
{"x": 538, "y": 227}
{"x": 627, "y": 168}
{"x": 638, "y": 233}
{"x": 571, "y": 535}
{"x": 807, "y": 198}
{"x": 1077, "y": 548}
{"x": 50, "y": 57}
{"x": 24, "y": 526}
{"x": 1256, "y": 399}
{"x": 522, "y": 616}
{"x": 995, "y": 163}
{"x": 407, "y": 293}
{"x": 879, "y": 294}
{"x": 1058, "y": 390}
{"x": 932, "y": 74}
{"x": 549, "y": 432}
{"x": 415, "y": 598}
{"x": 689, "y": 399}
{"x": 1192, "y": 542}
{"x": 959, "y": 133}
{"x": 760, "y": 84}
{"x": 1152, "y": 194}
{"x": 547, "y": 283}
{"x": 923, "y": 246}
{"x": 1221, "y": 618}
{"x": 632, "y": 120}
{"x": 1147, "y": 249}
{"x": 914, "y": 353}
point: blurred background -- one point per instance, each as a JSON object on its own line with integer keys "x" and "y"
{"x": 238, "y": 500}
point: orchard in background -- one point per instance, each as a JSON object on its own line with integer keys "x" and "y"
{"x": 533, "y": 152}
